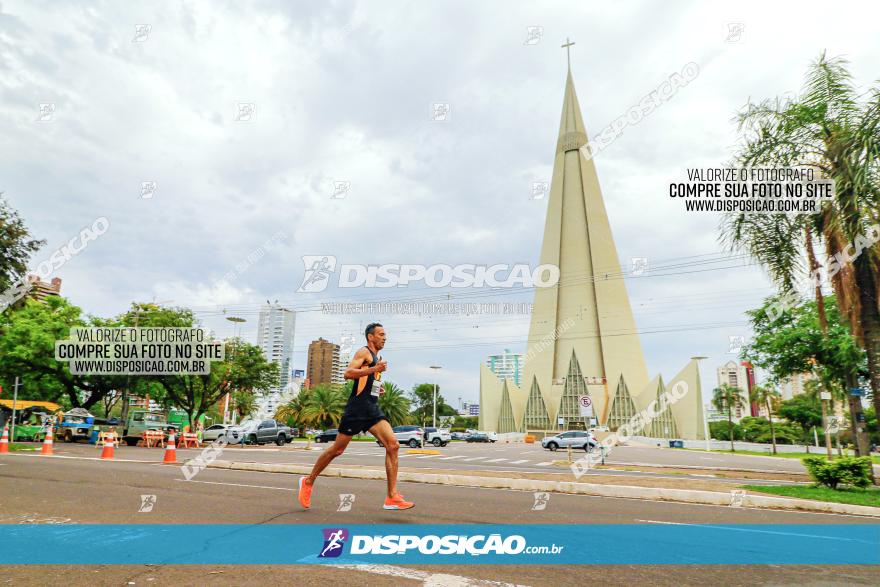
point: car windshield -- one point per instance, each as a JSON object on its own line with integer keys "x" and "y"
{"x": 153, "y": 417}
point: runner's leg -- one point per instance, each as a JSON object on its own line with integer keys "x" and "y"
{"x": 383, "y": 432}
{"x": 325, "y": 458}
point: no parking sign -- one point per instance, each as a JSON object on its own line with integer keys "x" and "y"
{"x": 586, "y": 404}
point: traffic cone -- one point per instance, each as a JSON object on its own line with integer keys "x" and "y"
{"x": 170, "y": 451}
{"x": 4, "y": 440}
{"x": 47, "y": 443}
{"x": 109, "y": 445}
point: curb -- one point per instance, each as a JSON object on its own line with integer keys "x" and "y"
{"x": 571, "y": 487}
{"x": 422, "y": 451}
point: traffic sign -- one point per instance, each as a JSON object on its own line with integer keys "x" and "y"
{"x": 586, "y": 404}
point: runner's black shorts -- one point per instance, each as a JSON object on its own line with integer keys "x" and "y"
{"x": 355, "y": 424}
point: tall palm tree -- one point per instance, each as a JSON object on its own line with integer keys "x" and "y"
{"x": 766, "y": 396}
{"x": 324, "y": 406}
{"x": 836, "y": 132}
{"x": 395, "y": 404}
{"x": 291, "y": 412}
{"x": 727, "y": 399}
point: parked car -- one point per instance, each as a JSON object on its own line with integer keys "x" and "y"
{"x": 437, "y": 436}
{"x": 459, "y": 435}
{"x": 573, "y": 438}
{"x": 410, "y": 435}
{"x": 270, "y": 431}
{"x": 327, "y": 435}
{"x": 478, "y": 437}
{"x": 231, "y": 433}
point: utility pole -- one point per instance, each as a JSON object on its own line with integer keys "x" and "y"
{"x": 14, "y": 403}
{"x": 435, "y": 367}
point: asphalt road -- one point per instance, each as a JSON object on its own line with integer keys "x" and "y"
{"x": 523, "y": 458}
{"x": 36, "y": 489}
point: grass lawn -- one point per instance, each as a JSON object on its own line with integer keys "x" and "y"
{"x": 869, "y": 496}
{"x": 787, "y": 455}
{"x": 20, "y": 447}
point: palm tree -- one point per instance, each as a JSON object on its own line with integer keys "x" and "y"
{"x": 324, "y": 406}
{"x": 833, "y": 130}
{"x": 395, "y": 404}
{"x": 291, "y": 412}
{"x": 727, "y": 399}
{"x": 766, "y": 396}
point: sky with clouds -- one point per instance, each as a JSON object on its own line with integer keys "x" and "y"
{"x": 135, "y": 93}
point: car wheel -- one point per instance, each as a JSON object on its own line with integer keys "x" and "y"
{"x": 588, "y": 447}
{"x": 444, "y": 444}
{"x": 68, "y": 437}
{"x": 252, "y": 439}
{"x": 220, "y": 439}
{"x": 131, "y": 441}
{"x": 280, "y": 440}
{"x": 552, "y": 446}
{"x": 491, "y": 441}
{"x": 413, "y": 443}
{"x": 436, "y": 442}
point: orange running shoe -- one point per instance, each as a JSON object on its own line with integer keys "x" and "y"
{"x": 305, "y": 493}
{"x": 397, "y": 503}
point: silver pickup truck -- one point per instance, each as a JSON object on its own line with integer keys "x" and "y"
{"x": 270, "y": 431}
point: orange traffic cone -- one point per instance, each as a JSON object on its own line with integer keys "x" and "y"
{"x": 47, "y": 443}
{"x": 109, "y": 444}
{"x": 170, "y": 451}
{"x": 4, "y": 440}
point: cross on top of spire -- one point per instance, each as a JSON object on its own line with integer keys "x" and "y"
{"x": 567, "y": 47}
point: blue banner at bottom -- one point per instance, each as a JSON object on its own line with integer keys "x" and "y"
{"x": 527, "y": 544}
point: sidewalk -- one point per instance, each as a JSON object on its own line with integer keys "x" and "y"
{"x": 709, "y": 492}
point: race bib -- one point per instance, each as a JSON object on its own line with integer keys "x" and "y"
{"x": 377, "y": 390}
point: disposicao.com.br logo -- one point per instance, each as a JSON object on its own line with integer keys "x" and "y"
{"x": 451, "y": 544}
{"x": 320, "y": 268}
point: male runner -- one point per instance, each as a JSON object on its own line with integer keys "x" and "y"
{"x": 363, "y": 413}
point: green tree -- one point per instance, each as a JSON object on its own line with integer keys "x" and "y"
{"x": 832, "y": 129}
{"x": 727, "y": 398}
{"x": 805, "y": 410}
{"x": 324, "y": 406}
{"x": 16, "y": 245}
{"x": 291, "y": 413}
{"x": 422, "y": 400}
{"x": 243, "y": 370}
{"x": 767, "y": 397}
{"x": 394, "y": 404}
{"x": 27, "y": 349}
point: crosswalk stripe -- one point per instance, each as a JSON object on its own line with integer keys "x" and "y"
{"x": 450, "y": 458}
{"x": 518, "y": 462}
{"x": 495, "y": 460}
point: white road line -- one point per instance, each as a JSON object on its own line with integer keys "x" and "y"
{"x": 450, "y": 458}
{"x": 546, "y": 464}
{"x": 238, "y": 484}
{"x": 752, "y": 530}
{"x": 495, "y": 460}
{"x": 424, "y": 576}
{"x": 426, "y": 457}
{"x": 518, "y": 462}
{"x": 476, "y": 458}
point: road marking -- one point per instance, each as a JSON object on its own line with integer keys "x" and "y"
{"x": 237, "y": 484}
{"x": 545, "y": 464}
{"x": 450, "y": 458}
{"x": 428, "y": 579}
{"x": 476, "y": 458}
{"x": 426, "y": 457}
{"x": 751, "y": 530}
{"x": 518, "y": 462}
{"x": 495, "y": 460}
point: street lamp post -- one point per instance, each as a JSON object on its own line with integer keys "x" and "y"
{"x": 703, "y": 401}
{"x": 236, "y": 332}
{"x": 435, "y": 367}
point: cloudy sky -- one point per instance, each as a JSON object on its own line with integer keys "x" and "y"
{"x": 344, "y": 92}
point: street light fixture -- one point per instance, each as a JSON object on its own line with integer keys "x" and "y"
{"x": 435, "y": 367}
{"x": 703, "y": 401}
{"x": 236, "y": 332}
